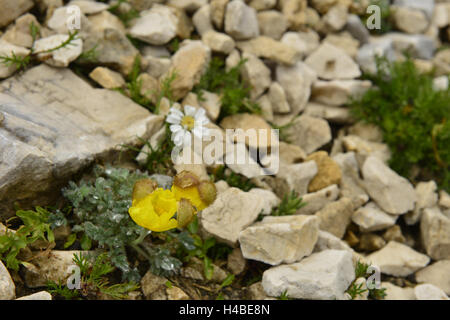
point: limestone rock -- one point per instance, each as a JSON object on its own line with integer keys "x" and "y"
{"x": 262, "y": 4}
{"x": 20, "y": 33}
{"x": 332, "y": 63}
{"x": 218, "y": 42}
{"x": 372, "y": 218}
{"x": 327, "y": 241}
{"x": 398, "y": 260}
{"x": 435, "y": 231}
{"x": 351, "y": 184}
{"x": 393, "y": 193}
{"x": 305, "y": 42}
{"x": 290, "y": 153}
{"x": 329, "y": 113}
{"x": 272, "y": 24}
{"x": 156, "y": 26}
{"x": 298, "y": 175}
{"x": 61, "y": 57}
{"x": 436, "y": 274}
{"x": 410, "y": 20}
{"x": 41, "y": 295}
{"x": 61, "y": 21}
{"x": 309, "y": 133}
{"x": 7, "y": 49}
{"x": 270, "y": 199}
{"x": 255, "y": 74}
{"x": 369, "y": 242}
{"x": 202, "y": 20}
{"x": 187, "y": 5}
{"x": 317, "y": 200}
{"x": 51, "y": 266}
{"x": 338, "y": 92}
{"x": 11, "y": 9}
{"x": 429, "y": 292}
{"x": 336, "y": 18}
{"x": 323, "y": 276}
{"x": 394, "y": 292}
{"x": 231, "y": 212}
{"x": 89, "y": 7}
{"x": 72, "y": 125}
{"x": 153, "y": 286}
{"x": 247, "y": 121}
{"x": 271, "y": 49}
{"x": 364, "y": 149}
{"x": 7, "y": 287}
{"x": 189, "y": 63}
{"x": 328, "y": 173}
{"x": 107, "y": 78}
{"x": 357, "y": 29}
{"x": 426, "y": 198}
{"x": 236, "y": 263}
{"x": 278, "y": 99}
{"x": 218, "y": 9}
{"x": 106, "y": 20}
{"x": 241, "y": 21}
{"x": 336, "y": 216}
{"x": 175, "y": 293}
{"x": 114, "y": 50}
{"x": 280, "y": 239}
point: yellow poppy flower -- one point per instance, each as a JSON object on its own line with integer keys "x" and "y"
{"x": 155, "y": 211}
{"x": 190, "y": 193}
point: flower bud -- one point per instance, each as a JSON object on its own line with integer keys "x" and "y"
{"x": 185, "y": 212}
{"x": 185, "y": 179}
{"x": 207, "y": 191}
{"x": 143, "y": 188}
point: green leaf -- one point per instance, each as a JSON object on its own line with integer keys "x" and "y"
{"x": 85, "y": 242}
{"x": 208, "y": 268}
{"x": 70, "y": 240}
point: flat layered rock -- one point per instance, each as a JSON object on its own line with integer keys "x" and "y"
{"x": 56, "y": 124}
{"x": 393, "y": 193}
{"x": 231, "y": 212}
{"x": 278, "y": 240}
{"x": 322, "y": 276}
{"x": 397, "y": 259}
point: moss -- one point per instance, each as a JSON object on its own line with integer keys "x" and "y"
{"x": 413, "y": 116}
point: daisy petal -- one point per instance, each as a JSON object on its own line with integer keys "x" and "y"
{"x": 173, "y": 119}
{"x": 189, "y": 110}
{"x": 175, "y": 127}
{"x": 175, "y": 111}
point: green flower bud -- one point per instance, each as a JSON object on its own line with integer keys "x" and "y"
{"x": 185, "y": 212}
{"x": 185, "y": 179}
{"x": 207, "y": 191}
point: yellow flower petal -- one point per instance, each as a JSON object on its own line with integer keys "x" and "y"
{"x": 191, "y": 194}
{"x": 155, "y": 212}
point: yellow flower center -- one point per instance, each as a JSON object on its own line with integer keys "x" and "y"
{"x": 188, "y": 122}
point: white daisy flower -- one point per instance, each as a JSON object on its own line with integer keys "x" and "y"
{"x": 182, "y": 124}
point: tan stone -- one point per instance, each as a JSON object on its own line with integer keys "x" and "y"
{"x": 107, "y": 78}
{"x": 328, "y": 173}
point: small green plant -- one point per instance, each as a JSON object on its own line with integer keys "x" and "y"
{"x": 100, "y": 217}
{"x": 89, "y": 56}
{"x": 36, "y": 226}
{"x": 289, "y": 205}
{"x": 413, "y": 116}
{"x": 125, "y": 16}
{"x": 284, "y": 296}
{"x": 233, "y": 179}
{"x": 94, "y": 280}
{"x": 207, "y": 250}
{"x": 355, "y": 290}
{"x": 234, "y": 94}
{"x": 22, "y": 63}
{"x": 134, "y": 88}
